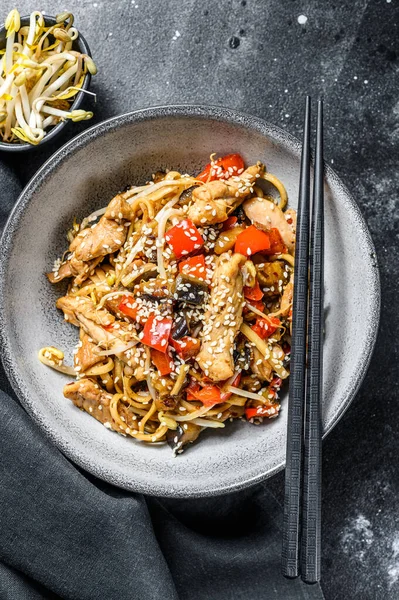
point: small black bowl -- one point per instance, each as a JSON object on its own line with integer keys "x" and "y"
{"x": 80, "y": 45}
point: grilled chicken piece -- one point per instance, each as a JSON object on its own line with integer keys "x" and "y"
{"x": 223, "y": 318}
{"x": 93, "y": 243}
{"x": 106, "y": 237}
{"x": 89, "y": 396}
{"x": 290, "y": 217}
{"x": 74, "y": 306}
{"x": 86, "y": 356}
{"x": 214, "y": 201}
{"x": 97, "y": 323}
{"x": 74, "y": 268}
{"x": 118, "y": 209}
{"x": 266, "y": 215}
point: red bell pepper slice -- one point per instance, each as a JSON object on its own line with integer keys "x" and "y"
{"x": 156, "y": 333}
{"x": 229, "y": 223}
{"x": 194, "y": 266}
{"x": 186, "y": 347}
{"x": 162, "y": 361}
{"x": 259, "y": 411}
{"x": 254, "y": 293}
{"x": 256, "y": 304}
{"x": 192, "y": 388}
{"x": 277, "y": 245}
{"x": 252, "y": 240}
{"x": 208, "y": 395}
{"x": 276, "y": 383}
{"x": 126, "y": 307}
{"x": 222, "y": 168}
{"x": 235, "y": 383}
{"x": 184, "y": 238}
{"x": 266, "y": 327}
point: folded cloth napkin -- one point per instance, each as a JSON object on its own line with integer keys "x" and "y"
{"x": 65, "y": 534}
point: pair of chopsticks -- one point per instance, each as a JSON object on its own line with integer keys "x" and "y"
{"x": 302, "y": 505}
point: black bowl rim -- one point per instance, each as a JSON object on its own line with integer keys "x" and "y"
{"x": 84, "y": 49}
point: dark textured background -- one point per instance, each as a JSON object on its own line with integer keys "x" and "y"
{"x": 255, "y": 56}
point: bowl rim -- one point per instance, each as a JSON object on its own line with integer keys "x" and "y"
{"x": 220, "y": 114}
{"x": 53, "y": 133}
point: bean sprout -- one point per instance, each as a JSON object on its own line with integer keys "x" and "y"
{"x": 40, "y": 76}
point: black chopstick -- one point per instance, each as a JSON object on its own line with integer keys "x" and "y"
{"x": 311, "y": 515}
{"x": 293, "y": 469}
{"x": 302, "y": 505}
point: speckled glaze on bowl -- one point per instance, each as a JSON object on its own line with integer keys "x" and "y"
{"x": 84, "y": 175}
{"x": 80, "y": 45}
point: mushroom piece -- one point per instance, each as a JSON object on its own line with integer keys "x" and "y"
{"x": 183, "y": 435}
{"x": 190, "y": 290}
{"x": 180, "y": 327}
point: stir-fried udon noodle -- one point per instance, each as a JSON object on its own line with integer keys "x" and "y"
{"x": 181, "y": 290}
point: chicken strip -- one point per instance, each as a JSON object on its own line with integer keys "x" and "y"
{"x": 99, "y": 324}
{"x": 106, "y": 237}
{"x": 265, "y": 214}
{"x": 74, "y": 268}
{"x": 223, "y": 318}
{"x": 90, "y": 397}
{"x": 91, "y": 244}
{"x": 74, "y": 306}
{"x": 87, "y": 354}
{"x": 119, "y": 209}
{"x": 214, "y": 201}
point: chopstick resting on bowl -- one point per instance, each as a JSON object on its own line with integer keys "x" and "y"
{"x": 302, "y": 505}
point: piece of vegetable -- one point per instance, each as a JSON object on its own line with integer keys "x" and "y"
{"x": 193, "y": 267}
{"x": 271, "y": 276}
{"x": 276, "y": 383}
{"x": 254, "y": 293}
{"x": 185, "y": 196}
{"x": 192, "y": 388}
{"x": 184, "y": 434}
{"x": 222, "y": 168}
{"x": 277, "y": 245}
{"x": 268, "y": 410}
{"x": 162, "y": 361}
{"x": 190, "y": 290}
{"x": 226, "y": 239}
{"x": 39, "y": 76}
{"x": 186, "y": 347}
{"x": 180, "y": 327}
{"x": 156, "y": 332}
{"x": 258, "y": 305}
{"x": 126, "y": 307}
{"x": 225, "y": 393}
{"x": 229, "y": 223}
{"x": 264, "y": 328}
{"x": 209, "y": 395}
{"x": 252, "y": 240}
{"x": 184, "y": 238}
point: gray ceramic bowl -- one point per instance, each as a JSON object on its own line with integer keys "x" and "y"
{"x": 84, "y": 175}
{"x": 80, "y": 45}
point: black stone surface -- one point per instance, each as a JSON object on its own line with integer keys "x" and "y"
{"x": 260, "y": 57}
